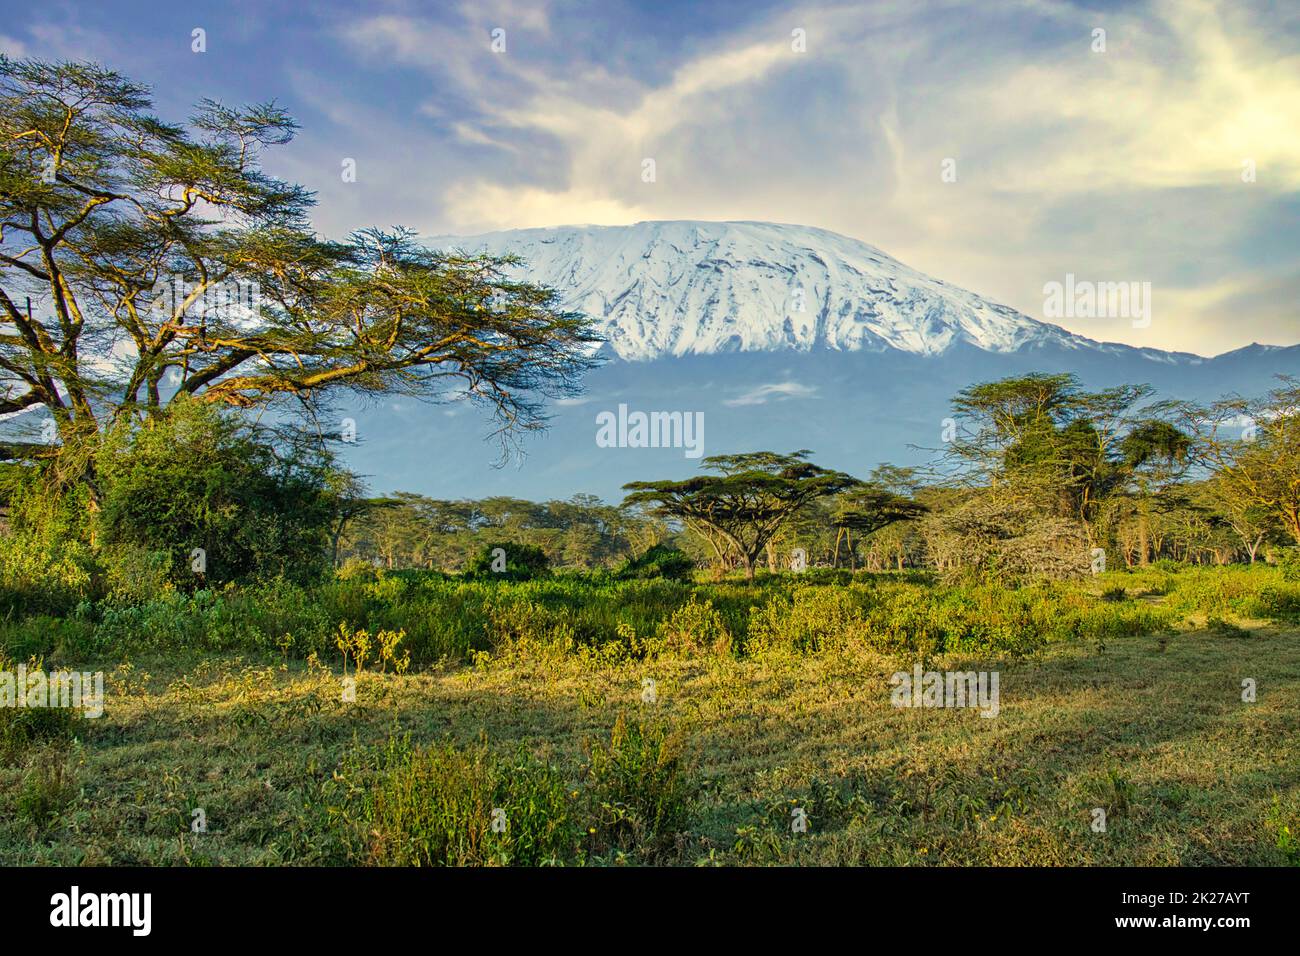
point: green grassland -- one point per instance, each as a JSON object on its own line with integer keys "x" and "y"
{"x": 1121, "y": 692}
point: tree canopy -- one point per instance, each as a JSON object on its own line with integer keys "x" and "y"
{"x": 141, "y": 261}
{"x": 742, "y": 507}
{"x": 1253, "y": 445}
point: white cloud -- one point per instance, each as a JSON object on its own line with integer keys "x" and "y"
{"x": 776, "y": 391}
{"x": 12, "y": 47}
{"x": 1067, "y": 160}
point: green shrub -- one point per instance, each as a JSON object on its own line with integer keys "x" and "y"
{"x": 658, "y": 561}
{"x": 639, "y": 790}
{"x": 1276, "y": 602}
{"x": 200, "y": 479}
{"x": 1288, "y": 561}
{"x": 46, "y": 562}
{"x": 41, "y": 635}
{"x": 134, "y": 574}
{"x": 25, "y": 728}
{"x": 810, "y": 619}
{"x": 355, "y": 569}
{"x": 507, "y": 561}
{"x": 1221, "y": 628}
{"x": 696, "y": 626}
{"x": 46, "y": 790}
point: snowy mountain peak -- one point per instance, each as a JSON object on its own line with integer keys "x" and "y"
{"x": 679, "y": 287}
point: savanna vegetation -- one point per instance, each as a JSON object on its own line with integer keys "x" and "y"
{"x": 301, "y": 671}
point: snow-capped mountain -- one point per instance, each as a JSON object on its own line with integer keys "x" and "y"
{"x": 684, "y": 287}
{"x": 773, "y": 337}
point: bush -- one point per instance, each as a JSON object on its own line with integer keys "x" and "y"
{"x": 24, "y": 728}
{"x": 214, "y": 493}
{"x": 47, "y": 789}
{"x": 658, "y": 561}
{"x": 46, "y": 563}
{"x": 507, "y": 561}
{"x": 1288, "y": 560}
{"x": 696, "y": 626}
{"x": 811, "y": 619}
{"x": 355, "y": 569}
{"x": 133, "y": 574}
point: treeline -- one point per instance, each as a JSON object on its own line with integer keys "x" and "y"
{"x": 1195, "y": 522}
{"x": 413, "y": 531}
{"x": 1039, "y": 477}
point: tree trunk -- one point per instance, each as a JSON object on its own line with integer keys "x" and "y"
{"x": 334, "y": 551}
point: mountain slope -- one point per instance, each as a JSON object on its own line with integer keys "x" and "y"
{"x": 704, "y": 319}
{"x": 674, "y": 288}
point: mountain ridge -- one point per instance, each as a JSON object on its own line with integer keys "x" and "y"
{"x": 856, "y": 406}
{"x": 659, "y": 288}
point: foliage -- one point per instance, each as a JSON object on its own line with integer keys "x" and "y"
{"x": 174, "y": 240}
{"x": 1253, "y": 445}
{"x": 24, "y": 728}
{"x": 197, "y": 481}
{"x": 640, "y": 790}
{"x": 435, "y": 806}
{"x": 696, "y": 626}
{"x": 658, "y": 561}
{"x": 508, "y": 561}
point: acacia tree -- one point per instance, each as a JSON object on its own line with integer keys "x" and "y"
{"x": 122, "y": 239}
{"x": 1042, "y": 438}
{"x": 1253, "y": 447}
{"x": 739, "y": 509}
{"x": 1152, "y": 456}
{"x": 866, "y": 510}
{"x": 1250, "y": 521}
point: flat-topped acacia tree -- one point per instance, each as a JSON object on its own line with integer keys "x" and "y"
{"x": 117, "y": 229}
{"x": 866, "y": 509}
{"x": 739, "y": 509}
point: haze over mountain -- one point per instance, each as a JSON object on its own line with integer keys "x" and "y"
{"x": 784, "y": 337}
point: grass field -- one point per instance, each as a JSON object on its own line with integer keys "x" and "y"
{"x": 1126, "y": 701}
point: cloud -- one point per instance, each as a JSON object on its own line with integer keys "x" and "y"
{"x": 1117, "y": 166}
{"x": 11, "y": 47}
{"x": 778, "y": 391}
{"x": 1067, "y": 160}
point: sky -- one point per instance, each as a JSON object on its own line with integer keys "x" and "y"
{"x": 999, "y": 146}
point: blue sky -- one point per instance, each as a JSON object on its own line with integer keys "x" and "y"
{"x": 1122, "y": 165}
